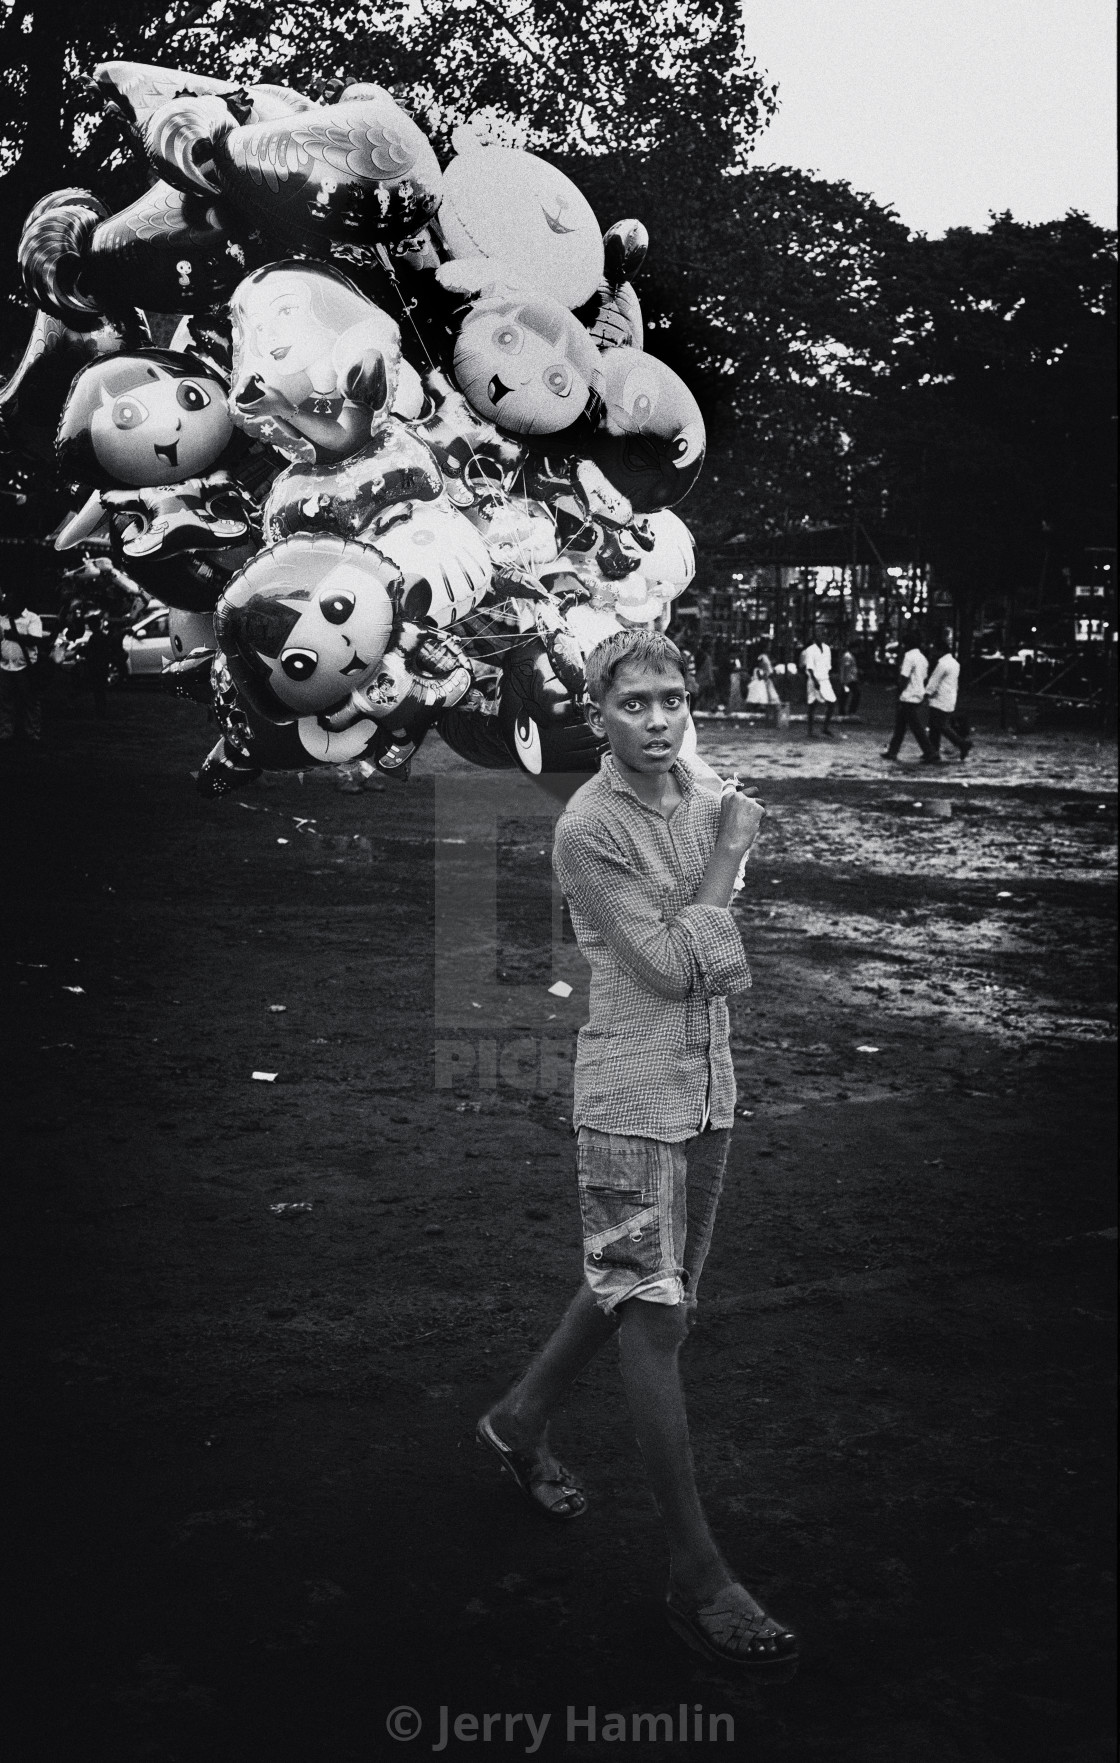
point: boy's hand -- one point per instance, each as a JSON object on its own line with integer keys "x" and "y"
{"x": 740, "y": 818}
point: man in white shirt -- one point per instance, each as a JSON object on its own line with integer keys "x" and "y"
{"x": 910, "y": 711}
{"x": 816, "y": 660}
{"x": 941, "y": 696}
{"x": 21, "y": 632}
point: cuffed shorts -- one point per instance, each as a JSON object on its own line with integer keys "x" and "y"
{"x": 649, "y": 1209}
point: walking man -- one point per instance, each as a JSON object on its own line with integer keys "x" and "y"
{"x": 910, "y": 712}
{"x": 647, "y": 857}
{"x": 941, "y": 696}
{"x": 816, "y": 659}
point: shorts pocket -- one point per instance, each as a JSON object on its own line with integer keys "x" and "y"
{"x": 617, "y": 1195}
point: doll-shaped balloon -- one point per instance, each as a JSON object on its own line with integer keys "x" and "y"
{"x": 651, "y": 443}
{"x": 152, "y": 430}
{"x": 31, "y": 401}
{"x": 530, "y": 222}
{"x": 360, "y": 169}
{"x": 525, "y": 363}
{"x": 314, "y": 362}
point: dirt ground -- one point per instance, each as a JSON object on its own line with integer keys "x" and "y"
{"x": 252, "y": 1323}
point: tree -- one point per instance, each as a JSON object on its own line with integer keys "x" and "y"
{"x": 774, "y": 294}
{"x": 999, "y": 416}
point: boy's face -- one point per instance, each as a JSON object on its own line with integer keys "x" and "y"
{"x": 644, "y": 715}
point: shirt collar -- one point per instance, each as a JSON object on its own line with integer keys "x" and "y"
{"x": 680, "y": 770}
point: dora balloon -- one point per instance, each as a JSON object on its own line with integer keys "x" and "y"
{"x": 523, "y": 361}
{"x": 152, "y": 431}
{"x": 314, "y": 362}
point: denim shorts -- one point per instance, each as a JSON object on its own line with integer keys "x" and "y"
{"x": 648, "y": 1209}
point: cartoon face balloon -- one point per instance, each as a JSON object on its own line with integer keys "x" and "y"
{"x": 652, "y": 442}
{"x": 148, "y": 418}
{"x": 528, "y": 365}
{"x": 306, "y": 623}
{"x": 525, "y": 216}
{"x": 313, "y": 361}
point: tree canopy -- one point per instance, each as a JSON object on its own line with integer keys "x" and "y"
{"x": 842, "y": 364}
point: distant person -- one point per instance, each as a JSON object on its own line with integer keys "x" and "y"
{"x": 735, "y": 700}
{"x": 941, "y": 698}
{"x": 761, "y": 688}
{"x": 847, "y": 675}
{"x": 705, "y": 680}
{"x": 816, "y": 660}
{"x": 21, "y": 632}
{"x": 910, "y": 714}
{"x": 98, "y": 655}
{"x": 721, "y": 665}
{"x": 691, "y": 683}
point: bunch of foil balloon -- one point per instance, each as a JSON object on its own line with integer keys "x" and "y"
{"x": 404, "y": 458}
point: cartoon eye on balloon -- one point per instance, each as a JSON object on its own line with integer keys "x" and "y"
{"x": 299, "y": 664}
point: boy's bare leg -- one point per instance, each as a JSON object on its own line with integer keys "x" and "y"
{"x": 521, "y": 1417}
{"x": 650, "y": 1341}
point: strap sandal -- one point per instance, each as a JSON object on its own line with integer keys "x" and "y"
{"x": 556, "y": 1496}
{"x": 735, "y": 1630}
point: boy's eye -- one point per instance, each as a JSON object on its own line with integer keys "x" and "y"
{"x": 299, "y": 664}
{"x": 191, "y": 397}
{"x": 336, "y": 608}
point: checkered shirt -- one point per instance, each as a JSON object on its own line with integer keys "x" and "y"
{"x": 654, "y": 1060}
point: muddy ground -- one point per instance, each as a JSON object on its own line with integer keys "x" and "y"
{"x": 251, "y": 1323}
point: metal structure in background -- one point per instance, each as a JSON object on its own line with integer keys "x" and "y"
{"x": 1054, "y": 643}
{"x": 841, "y": 585}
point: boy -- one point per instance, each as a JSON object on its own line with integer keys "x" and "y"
{"x": 647, "y": 857}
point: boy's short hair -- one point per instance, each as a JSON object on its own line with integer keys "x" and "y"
{"x": 645, "y": 647}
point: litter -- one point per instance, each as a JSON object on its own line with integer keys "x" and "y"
{"x": 265, "y": 1077}
{"x": 745, "y": 1113}
{"x": 283, "y": 1208}
{"x": 277, "y": 1008}
{"x": 79, "y": 990}
{"x": 281, "y": 841}
{"x": 1004, "y": 894}
{"x": 453, "y": 841}
{"x": 475, "y": 1006}
{"x": 561, "y": 989}
{"x": 867, "y": 1049}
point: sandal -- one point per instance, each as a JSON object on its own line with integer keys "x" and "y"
{"x": 733, "y": 1628}
{"x": 530, "y": 1477}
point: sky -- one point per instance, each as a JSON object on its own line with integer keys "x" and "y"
{"x": 946, "y": 109}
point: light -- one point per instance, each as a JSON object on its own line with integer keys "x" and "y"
{"x": 895, "y": 572}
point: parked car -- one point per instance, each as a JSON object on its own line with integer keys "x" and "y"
{"x": 147, "y": 644}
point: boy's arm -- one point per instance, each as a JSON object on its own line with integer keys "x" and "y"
{"x": 696, "y": 953}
